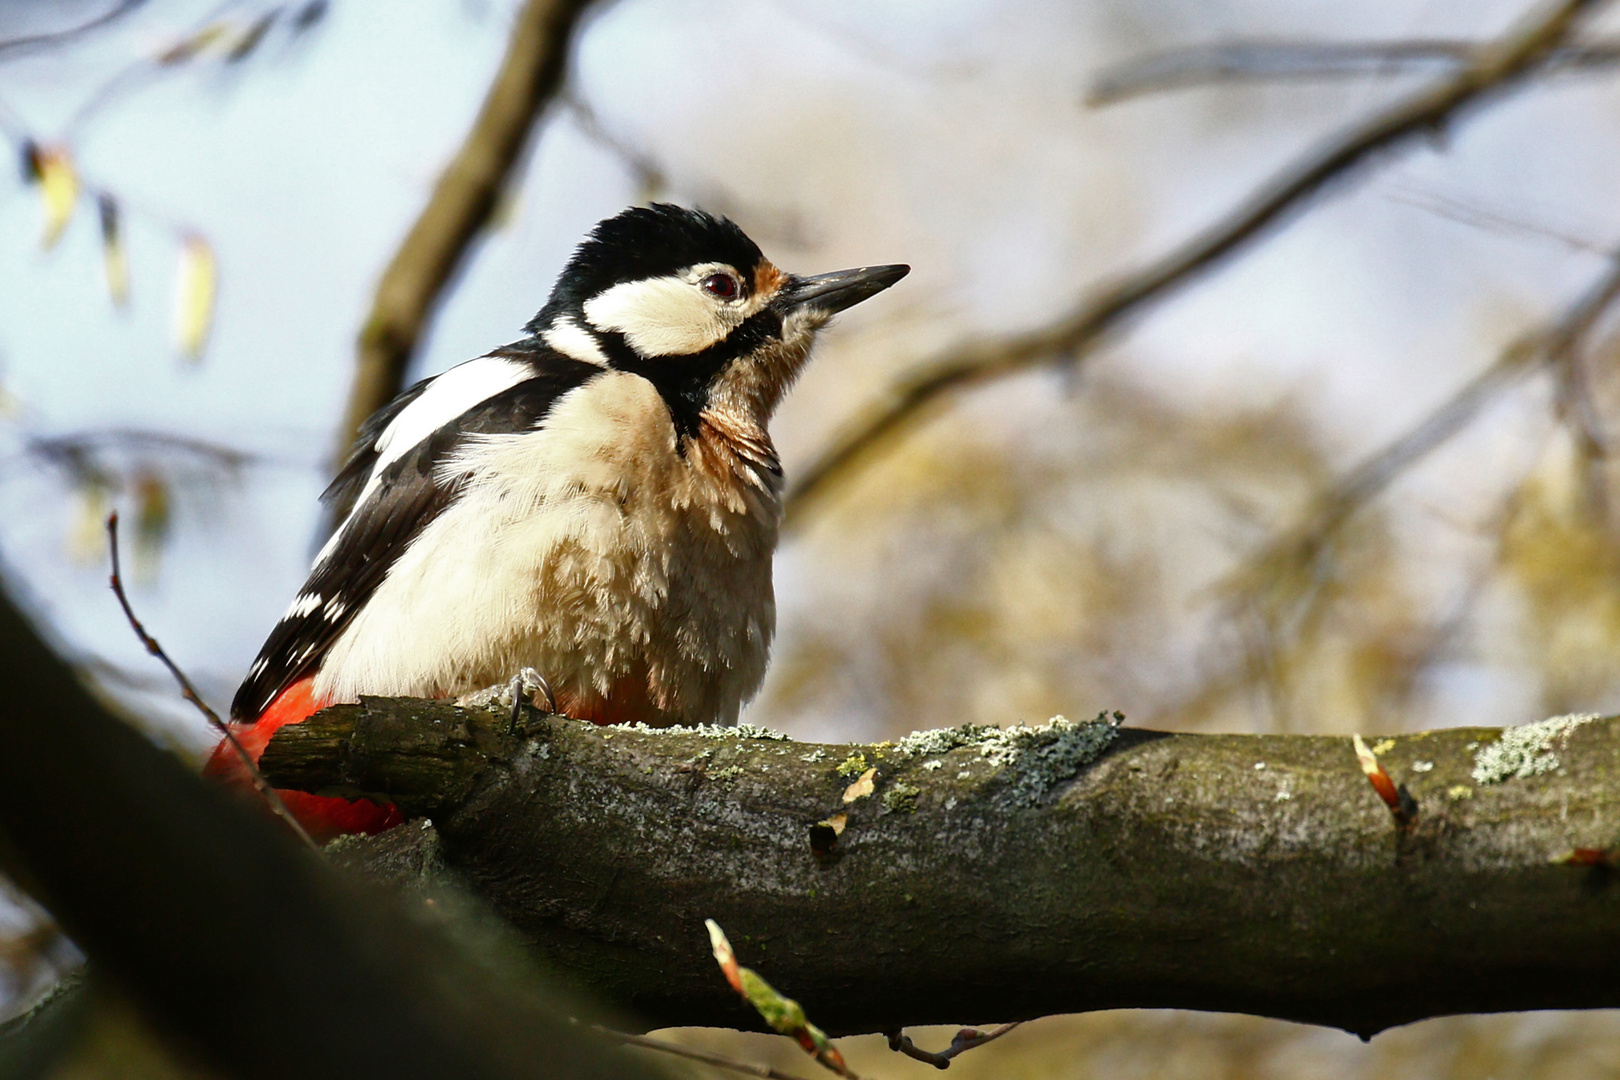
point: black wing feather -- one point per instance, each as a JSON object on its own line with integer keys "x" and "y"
{"x": 410, "y": 494}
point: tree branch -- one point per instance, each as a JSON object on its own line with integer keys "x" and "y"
{"x": 1270, "y": 61}
{"x": 463, "y": 200}
{"x": 253, "y": 954}
{"x": 1492, "y": 68}
{"x": 1257, "y": 874}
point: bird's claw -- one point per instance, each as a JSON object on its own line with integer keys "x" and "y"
{"x": 529, "y": 687}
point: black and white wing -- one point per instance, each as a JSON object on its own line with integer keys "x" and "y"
{"x": 395, "y": 486}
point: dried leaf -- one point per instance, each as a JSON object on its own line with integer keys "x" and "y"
{"x": 195, "y": 296}
{"x": 188, "y": 47}
{"x": 250, "y": 39}
{"x": 112, "y": 249}
{"x": 862, "y": 787}
{"x": 59, "y": 186}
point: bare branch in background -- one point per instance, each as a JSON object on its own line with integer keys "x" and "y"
{"x": 1555, "y": 346}
{"x": 20, "y": 46}
{"x": 530, "y": 75}
{"x": 1491, "y": 69}
{"x": 1274, "y": 61}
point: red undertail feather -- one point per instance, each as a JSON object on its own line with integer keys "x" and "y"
{"x": 322, "y": 816}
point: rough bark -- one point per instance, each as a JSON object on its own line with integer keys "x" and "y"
{"x": 1012, "y": 879}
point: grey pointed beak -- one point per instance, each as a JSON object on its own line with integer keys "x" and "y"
{"x": 832, "y": 293}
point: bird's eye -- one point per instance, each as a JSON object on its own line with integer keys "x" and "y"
{"x": 722, "y": 285}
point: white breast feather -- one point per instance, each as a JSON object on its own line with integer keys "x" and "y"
{"x": 588, "y": 550}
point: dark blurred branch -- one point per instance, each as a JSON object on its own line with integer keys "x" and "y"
{"x": 17, "y": 46}
{"x": 245, "y": 949}
{"x": 1491, "y": 69}
{"x": 1173, "y": 871}
{"x": 1273, "y": 61}
{"x": 530, "y": 75}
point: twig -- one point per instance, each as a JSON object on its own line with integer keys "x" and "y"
{"x": 1302, "y": 544}
{"x": 782, "y": 1013}
{"x": 189, "y": 692}
{"x": 693, "y": 1054}
{"x": 530, "y": 75}
{"x": 1265, "y": 61}
{"x": 965, "y": 1040}
{"x": 57, "y": 37}
{"x": 1492, "y": 68}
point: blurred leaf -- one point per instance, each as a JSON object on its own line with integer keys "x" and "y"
{"x": 113, "y": 257}
{"x": 87, "y": 540}
{"x": 59, "y": 187}
{"x": 153, "y": 517}
{"x": 251, "y": 38}
{"x": 195, "y": 295}
{"x": 190, "y": 46}
{"x": 308, "y": 15}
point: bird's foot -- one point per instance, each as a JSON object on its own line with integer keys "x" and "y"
{"x": 527, "y": 687}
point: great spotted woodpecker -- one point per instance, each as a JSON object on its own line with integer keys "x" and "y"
{"x": 598, "y": 501}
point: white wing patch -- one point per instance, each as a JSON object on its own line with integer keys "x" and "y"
{"x": 574, "y": 341}
{"x": 446, "y": 397}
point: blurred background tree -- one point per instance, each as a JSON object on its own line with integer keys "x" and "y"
{"x": 1352, "y": 476}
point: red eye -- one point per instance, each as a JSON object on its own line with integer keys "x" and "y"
{"x": 722, "y": 285}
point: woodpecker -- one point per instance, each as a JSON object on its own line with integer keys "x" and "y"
{"x": 598, "y": 501}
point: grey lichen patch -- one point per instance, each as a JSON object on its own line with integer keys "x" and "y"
{"x": 813, "y": 756}
{"x": 708, "y": 731}
{"x": 1526, "y": 751}
{"x": 901, "y": 797}
{"x": 1044, "y": 756}
{"x": 1038, "y": 758}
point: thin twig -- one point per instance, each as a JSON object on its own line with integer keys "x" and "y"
{"x": 1301, "y": 545}
{"x": 965, "y": 1040}
{"x": 189, "y": 692}
{"x": 708, "y": 1058}
{"x": 1270, "y": 61}
{"x": 1492, "y": 68}
{"x": 30, "y": 42}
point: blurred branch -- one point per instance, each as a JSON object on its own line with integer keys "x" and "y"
{"x": 1272, "y": 61}
{"x": 1168, "y": 872}
{"x": 10, "y": 47}
{"x": 530, "y": 75}
{"x": 1291, "y": 556}
{"x": 1491, "y": 69}
{"x": 248, "y": 950}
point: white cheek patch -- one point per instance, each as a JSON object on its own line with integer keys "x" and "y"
{"x": 668, "y": 316}
{"x": 574, "y": 341}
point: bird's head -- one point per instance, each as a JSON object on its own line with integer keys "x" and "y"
{"x": 688, "y": 301}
